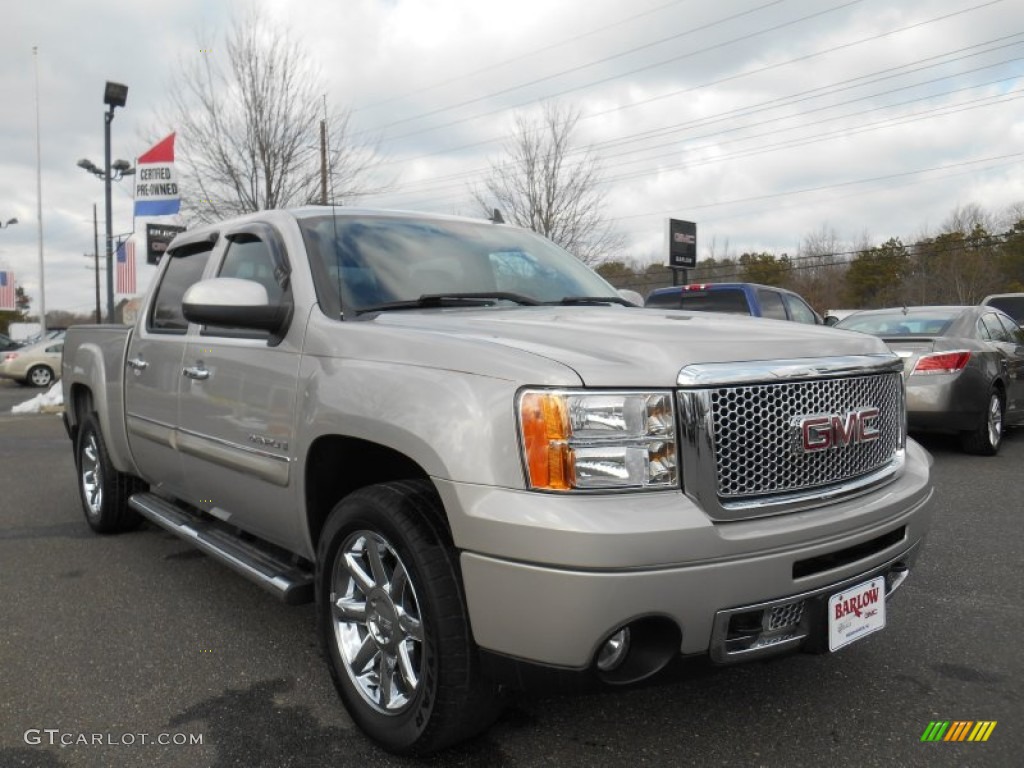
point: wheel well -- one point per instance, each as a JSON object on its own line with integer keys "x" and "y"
{"x": 336, "y": 466}
{"x": 80, "y": 405}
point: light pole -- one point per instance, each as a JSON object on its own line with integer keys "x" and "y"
{"x": 8, "y": 223}
{"x": 118, "y": 170}
{"x": 114, "y": 95}
{"x": 96, "y": 259}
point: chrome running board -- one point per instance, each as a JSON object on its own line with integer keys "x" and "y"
{"x": 259, "y": 563}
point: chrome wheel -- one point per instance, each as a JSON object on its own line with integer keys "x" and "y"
{"x": 375, "y": 616}
{"x": 91, "y": 472}
{"x": 995, "y": 420}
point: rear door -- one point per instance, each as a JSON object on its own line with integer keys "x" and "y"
{"x": 772, "y": 305}
{"x": 238, "y": 403}
{"x": 153, "y": 370}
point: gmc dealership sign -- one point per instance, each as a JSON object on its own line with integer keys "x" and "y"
{"x": 682, "y": 243}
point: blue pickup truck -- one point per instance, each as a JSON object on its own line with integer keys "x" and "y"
{"x": 736, "y": 299}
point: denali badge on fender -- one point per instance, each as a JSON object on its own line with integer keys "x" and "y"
{"x": 834, "y": 430}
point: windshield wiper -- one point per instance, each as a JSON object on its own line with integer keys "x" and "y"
{"x": 568, "y": 300}
{"x": 429, "y": 300}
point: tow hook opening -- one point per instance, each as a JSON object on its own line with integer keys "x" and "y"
{"x": 637, "y": 650}
{"x": 895, "y": 577}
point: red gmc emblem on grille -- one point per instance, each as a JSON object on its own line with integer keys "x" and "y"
{"x": 821, "y": 432}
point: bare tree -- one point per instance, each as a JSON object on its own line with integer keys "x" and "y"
{"x": 821, "y": 269}
{"x": 545, "y": 184}
{"x": 248, "y": 123}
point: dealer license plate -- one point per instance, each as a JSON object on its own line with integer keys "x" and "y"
{"x": 855, "y": 613}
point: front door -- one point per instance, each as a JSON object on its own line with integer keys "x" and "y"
{"x": 237, "y": 436}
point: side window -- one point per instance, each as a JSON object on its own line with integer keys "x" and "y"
{"x": 771, "y": 304}
{"x": 249, "y": 257}
{"x": 799, "y": 310}
{"x": 1013, "y": 330}
{"x": 183, "y": 270}
{"x": 994, "y": 329}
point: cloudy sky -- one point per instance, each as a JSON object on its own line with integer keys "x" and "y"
{"x": 764, "y": 121}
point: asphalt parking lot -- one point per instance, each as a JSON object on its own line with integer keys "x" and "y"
{"x": 138, "y": 634}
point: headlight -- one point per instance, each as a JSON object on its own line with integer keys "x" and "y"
{"x": 595, "y": 441}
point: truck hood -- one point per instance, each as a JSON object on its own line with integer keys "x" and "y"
{"x": 632, "y": 347}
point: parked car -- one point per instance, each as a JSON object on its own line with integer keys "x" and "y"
{"x": 36, "y": 365}
{"x": 964, "y": 368}
{"x": 52, "y": 334}
{"x": 1010, "y": 303}
{"x": 7, "y": 343}
{"x": 736, "y": 299}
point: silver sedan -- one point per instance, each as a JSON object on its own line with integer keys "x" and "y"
{"x": 964, "y": 368}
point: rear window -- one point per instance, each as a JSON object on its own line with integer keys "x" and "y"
{"x": 730, "y": 300}
{"x": 667, "y": 300}
{"x": 1011, "y": 305}
{"x": 933, "y": 323}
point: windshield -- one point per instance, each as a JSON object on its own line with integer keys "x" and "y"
{"x": 896, "y": 323}
{"x": 371, "y": 262}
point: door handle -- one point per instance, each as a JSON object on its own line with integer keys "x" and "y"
{"x": 197, "y": 372}
{"x": 137, "y": 364}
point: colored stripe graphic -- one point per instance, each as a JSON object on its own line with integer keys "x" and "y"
{"x": 982, "y": 730}
{"x": 958, "y": 730}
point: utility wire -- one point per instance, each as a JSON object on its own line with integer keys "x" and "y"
{"x": 823, "y": 187}
{"x": 528, "y": 55}
{"x": 588, "y": 65}
{"x": 792, "y": 143}
{"x": 424, "y": 185}
{"x": 756, "y": 71}
{"x": 634, "y": 71}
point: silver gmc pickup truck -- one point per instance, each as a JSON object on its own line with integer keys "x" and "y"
{"x": 486, "y": 468}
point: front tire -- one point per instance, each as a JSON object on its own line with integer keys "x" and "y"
{"x": 104, "y": 491}
{"x": 393, "y": 624}
{"x": 986, "y": 438}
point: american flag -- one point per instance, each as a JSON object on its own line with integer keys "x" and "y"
{"x": 126, "y": 268}
{"x": 7, "y": 298}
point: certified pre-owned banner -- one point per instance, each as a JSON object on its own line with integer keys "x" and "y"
{"x": 156, "y": 186}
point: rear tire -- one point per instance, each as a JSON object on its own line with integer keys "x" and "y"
{"x": 986, "y": 438}
{"x": 104, "y": 491}
{"x": 392, "y": 621}
{"x": 39, "y": 376}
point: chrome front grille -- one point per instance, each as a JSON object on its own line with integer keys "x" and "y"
{"x": 754, "y": 434}
{"x": 751, "y": 433}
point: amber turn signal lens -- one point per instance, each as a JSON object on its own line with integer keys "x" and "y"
{"x": 545, "y": 423}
